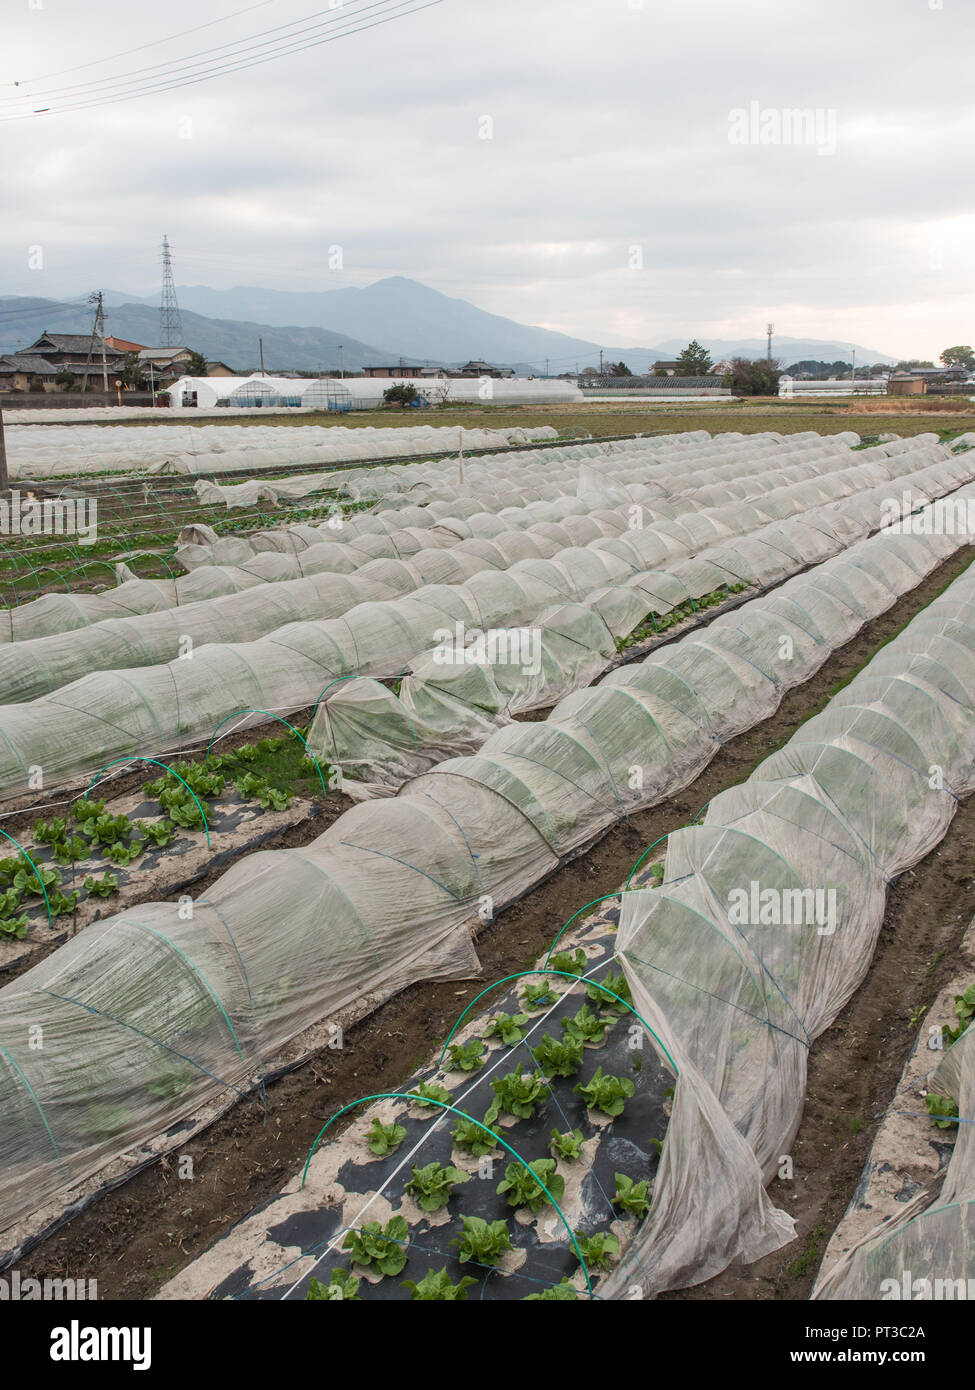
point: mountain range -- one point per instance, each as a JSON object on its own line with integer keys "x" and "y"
{"x": 395, "y": 318}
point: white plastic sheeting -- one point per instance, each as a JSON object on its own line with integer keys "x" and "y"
{"x": 764, "y": 926}
{"x": 147, "y": 1015}
{"x": 39, "y": 451}
{"x": 116, "y": 713}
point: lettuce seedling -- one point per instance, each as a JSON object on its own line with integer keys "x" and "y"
{"x": 942, "y": 1109}
{"x": 538, "y": 996}
{"x": 384, "y": 1139}
{"x": 555, "y": 1293}
{"x": 631, "y": 1196}
{"x": 88, "y": 810}
{"x": 965, "y": 1010}
{"x": 431, "y": 1186}
{"x": 124, "y": 854}
{"x": 101, "y": 887}
{"x": 524, "y": 1188}
{"x": 64, "y": 903}
{"x": 68, "y": 851}
{"x": 517, "y": 1095}
{"x": 159, "y": 832}
{"x": 438, "y": 1288}
{"x": 467, "y": 1056}
{"x": 615, "y": 981}
{"x": 384, "y": 1248}
{"x": 9, "y": 901}
{"x": 14, "y": 927}
{"x": 568, "y": 1145}
{"x": 606, "y": 1093}
{"x": 474, "y": 1138}
{"x": 586, "y": 1026}
{"x": 482, "y": 1242}
{"x": 343, "y": 1287}
{"x": 509, "y": 1027}
{"x": 49, "y": 833}
{"x": 28, "y": 881}
{"x": 597, "y": 1249}
{"x": 559, "y": 1058}
{"x": 573, "y": 964}
{"x": 188, "y": 815}
{"x": 426, "y": 1092}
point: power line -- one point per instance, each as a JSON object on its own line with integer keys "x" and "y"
{"x": 283, "y": 47}
{"x": 153, "y": 43}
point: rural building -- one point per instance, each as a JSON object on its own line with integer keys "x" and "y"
{"x": 123, "y": 345}
{"x": 906, "y": 384}
{"x": 19, "y": 371}
{"x": 399, "y": 372}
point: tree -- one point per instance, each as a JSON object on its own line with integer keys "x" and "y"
{"x": 961, "y": 356}
{"x": 753, "y": 378}
{"x": 133, "y": 374}
{"x": 403, "y": 393}
{"x": 914, "y": 362}
{"x": 619, "y": 369}
{"x": 196, "y": 365}
{"x": 67, "y": 380}
{"x": 694, "y": 360}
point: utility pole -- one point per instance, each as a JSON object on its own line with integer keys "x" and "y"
{"x": 260, "y": 348}
{"x": 546, "y": 368}
{"x": 853, "y": 373}
{"x": 769, "y": 330}
{"x": 600, "y": 361}
{"x": 342, "y": 360}
{"x": 101, "y": 324}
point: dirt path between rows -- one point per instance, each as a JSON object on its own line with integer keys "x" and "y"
{"x": 140, "y": 1235}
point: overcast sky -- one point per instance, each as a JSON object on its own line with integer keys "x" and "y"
{"x": 619, "y": 197}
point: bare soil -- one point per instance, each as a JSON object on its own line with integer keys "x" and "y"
{"x": 141, "y": 1234}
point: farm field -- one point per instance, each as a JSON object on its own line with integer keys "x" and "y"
{"x": 299, "y": 763}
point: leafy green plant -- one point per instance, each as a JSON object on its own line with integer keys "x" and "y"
{"x": 28, "y": 880}
{"x": 125, "y": 854}
{"x": 14, "y": 927}
{"x": 964, "y": 1010}
{"x": 106, "y": 829}
{"x": 615, "y": 981}
{"x": 172, "y": 1082}
{"x": 85, "y": 811}
{"x": 942, "y": 1109}
{"x": 427, "y": 1092}
{"x": 467, "y": 1056}
{"x": 573, "y": 964}
{"x": 482, "y": 1242}
{"x": 71, "y": 849}
{"x": 159, "y": 832}
{"x": 431, "y": 1186}
{"x": 525, "y": 1188}
{"x": 597, "y": 1249}
{"x": 8, "y": 867}
{"x": 656, "y": 872}
{"x": 555, "y": 1293}
{"x": 439, "y": 1288}
{"x": 517, "y": 1095}
{"x": 9, "y": 901}
{"x": 606, "y": 1093}
{"x": 49, "y": 833}
{"x": 103, "y": 887}
{"x": 474, "y": 1138}
{"x": 384, "y": 1139}
{"x": 510, "y": 1028}
{"x": 186, "y": 814}
{"x": 568, "y": 1145}
{"x": 373, "y": 1244}
{"x": 631, "y": 1196}
{"x": 538, "y": 996}
{"x": 343, "y": 1287}
{"x": 558, "y": 1057}
{"x": 586, "y": 1026}
{"x": 64, "y": 903}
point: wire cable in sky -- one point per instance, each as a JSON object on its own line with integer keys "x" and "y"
{"x": 389, "y": 10}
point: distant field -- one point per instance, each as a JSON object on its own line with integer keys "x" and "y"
{"x": 869, "y": 416}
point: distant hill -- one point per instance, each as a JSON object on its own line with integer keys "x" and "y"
{"x": 787, "y": 350}
{"x": 231, "y": 341}
{"x": 377, "y": 325}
